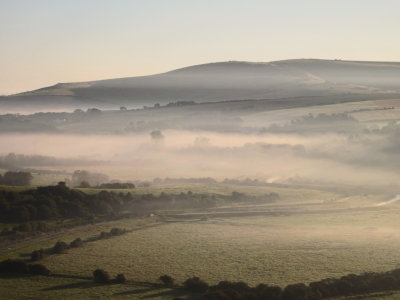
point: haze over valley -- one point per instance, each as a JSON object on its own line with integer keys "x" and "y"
{"x": 199, "y": 151}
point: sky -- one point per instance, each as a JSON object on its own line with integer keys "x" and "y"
{"x": 43, "y": 42}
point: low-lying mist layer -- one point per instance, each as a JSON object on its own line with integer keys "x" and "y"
{"x": 368, "y": 158}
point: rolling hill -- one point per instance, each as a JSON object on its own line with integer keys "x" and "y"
{"x": 215, "y": 82}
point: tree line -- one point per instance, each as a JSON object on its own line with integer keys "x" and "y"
{"x": 16, "y": 178}
{"x": 30, "y": 207}
{"x": 227, "y": 290}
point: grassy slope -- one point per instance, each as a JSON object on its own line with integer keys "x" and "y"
{"x": 279, "y": 250}
{"x": 39, "y": 287}
{"x": 311, "y": 247}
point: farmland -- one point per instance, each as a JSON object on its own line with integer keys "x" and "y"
{"x": 307, "y": 235}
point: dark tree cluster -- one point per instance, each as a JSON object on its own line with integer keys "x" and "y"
{"x": 103, "y": 277}
{"x": 167, "y": 280}
{"x": 323, "y": 289}
{"x": 337, "y": 122}
{"x": 33, "y": 207}
{"x": 16, "y": 178}
{"x": 19, "y": 266}
{"x": 76, "y": 243}
{"x": 51, "y": 202}
{"x": 117, "y": 185}
{"x": 201, "y": 180}
{"x": 60, "y": 247}
{"x": 112, "y": 232}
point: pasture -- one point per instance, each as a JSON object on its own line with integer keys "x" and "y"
{"x": 305, "y": 236}
{"x": 277, "y": 250}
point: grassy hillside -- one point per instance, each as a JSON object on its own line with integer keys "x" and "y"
{"x": 217, "y": 82}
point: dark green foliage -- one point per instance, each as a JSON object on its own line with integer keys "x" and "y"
{"x": 120, "y": 278}
{"x": 59, "y": 201}
{"x": 323, "y": 289}
{"x": 296, "y": 292}
{"x": 117, "y": 231}
{"x": 76, "y": 243}
{"x": 101, "y": 276}
{"x": 117, "y": 185}
{"x": 16, "y": 178}
{"x": 14, "y": 266}
{"x": 269, "y": 292}
{"x": 84, "y": 184}
{"x": 37, "y": 255}
{"x": 113, "y": 232}
{"x": 167, "y": 280}
{"x": 195, "y": 284}
{"x": 104, "y": 235}
{"x": 60, "y": 247}
{"x": 19, "y": 266}
{"x": 38, "y": 269}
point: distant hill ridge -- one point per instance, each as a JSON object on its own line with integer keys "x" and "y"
{"x": 221, "y": 81}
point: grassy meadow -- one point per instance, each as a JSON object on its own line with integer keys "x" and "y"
{"x": 305, "y": 236}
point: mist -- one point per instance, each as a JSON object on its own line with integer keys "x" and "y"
{"x": 326, "y": 157}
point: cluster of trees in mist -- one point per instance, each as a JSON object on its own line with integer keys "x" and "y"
{"x": 327, "y": 288}
{"x": 83, "y": 178}
{"x": 52, "y": 202}
{"x": 16, "y": 178}
{"x": 15, "y": 161}
{"x": 338, "y": 122}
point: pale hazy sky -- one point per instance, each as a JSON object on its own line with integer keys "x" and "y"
{"x": 43, "y": 42}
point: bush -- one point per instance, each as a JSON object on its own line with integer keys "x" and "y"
{"x": 167, "y": 280}
{"x": 117, "y": 231}
{"x": 38, "y": 269}
{"x": 104, "y": 235}
{"x": 60, "y": 247}
{"x": 37, "y": 255}
{"x": 120, "y": 278}
{"x": 296, "y": 292}
{"x": 76, "y": 243}
{"x": 269, "y": 292}
{"x": 14, "y": 266}
{"x": 101, "y": 276}
{"x": 195, "y": 284}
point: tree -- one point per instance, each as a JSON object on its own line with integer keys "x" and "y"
{"x": 195, "y": 284}
{"x": 156, "y": 135}
{"x": 76, "y": 243}
{"x": 38, "y": 269}
{"x": 167, "y": 280}
{"x": 120, "y": 278}
{"x": 101, "y": 276}
{"x": 37, "y": 255}
{"x": 17, "y": 178}
{"x": 60, "y": 247}
{"x": 84, "y": 184}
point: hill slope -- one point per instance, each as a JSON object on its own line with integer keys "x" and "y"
{"x": 223, "y": 81}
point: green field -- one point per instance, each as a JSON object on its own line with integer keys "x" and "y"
{"x": 277, "y": 250}
{"x": 40, "y": 287}
{"x": 306, "y": 236}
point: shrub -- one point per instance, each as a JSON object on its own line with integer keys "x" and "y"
{"x": 195, "y": 284}
{"x": 104, "y": 235}
{"x": 14, "y": 266}
{"x": 237, "y": 286}
{"x": 101, "y": 276}
{"x": 37, "y": 255}
{"x": 297, "y": 291}
{"x": 60, "y": 247}
{"x": 269, "y": 292}
{"x": 167, "y": 280}
{"x": 76, "y": 243}
{"x": 120, "y": 278}
{"x": 38, "y": 269}
{"x": 117, "y": 231}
